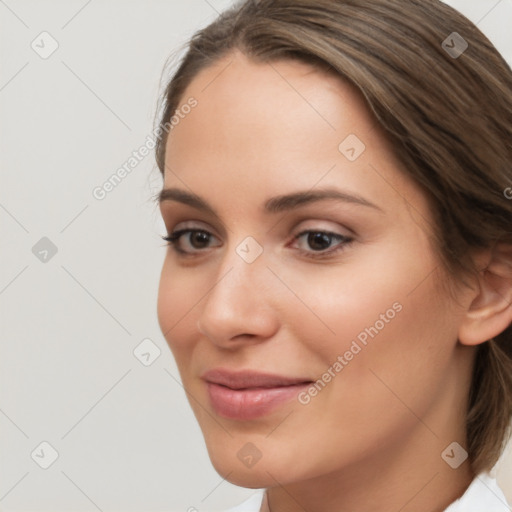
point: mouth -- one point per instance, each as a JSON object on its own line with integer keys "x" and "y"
{"x": 247, "y": 395}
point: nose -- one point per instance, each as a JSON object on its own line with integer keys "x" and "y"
{"x": 238, "y": 308}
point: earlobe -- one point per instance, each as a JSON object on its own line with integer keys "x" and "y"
{"x": 490, "y": 311}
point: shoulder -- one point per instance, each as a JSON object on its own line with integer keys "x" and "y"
{"x": 483, "y": 493}
{"x": 251, "y": 504}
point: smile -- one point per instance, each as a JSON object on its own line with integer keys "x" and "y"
{"x": 248, "y": 394}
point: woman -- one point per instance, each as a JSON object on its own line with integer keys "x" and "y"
{"x": 337, "y": 290}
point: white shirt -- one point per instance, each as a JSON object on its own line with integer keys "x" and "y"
{"x": 482, "y": 495}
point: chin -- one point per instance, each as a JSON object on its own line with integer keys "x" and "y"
{"x": 235, "y": 472}
{"x": 249, "y": 478}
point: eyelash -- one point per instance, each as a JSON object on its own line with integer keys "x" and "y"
{"x": 173, "y": 240}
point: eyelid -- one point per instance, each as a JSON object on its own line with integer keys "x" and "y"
{"x": 323, "y": 225}
{"x": 193, "y": 226}
{"x": 328, "y": 214}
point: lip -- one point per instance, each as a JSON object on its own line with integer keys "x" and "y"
{"x": 248, "y": 394}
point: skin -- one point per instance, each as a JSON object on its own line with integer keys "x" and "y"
{"x": 372, "y": 439}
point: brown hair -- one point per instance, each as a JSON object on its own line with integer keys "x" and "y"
{"x": 449, "y": 118}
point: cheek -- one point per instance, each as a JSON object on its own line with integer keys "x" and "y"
{"x": 380, "y": 313}
{"x": 166, "y": 302}
{"x": 176, "y": 298}
{"x": 388, "y": 288}
{"x": 405, "y": 360}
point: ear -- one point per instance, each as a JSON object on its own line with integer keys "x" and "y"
{"x": 490, "y": 311}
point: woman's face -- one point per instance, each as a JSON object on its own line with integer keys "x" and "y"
{"x": 355, "y": 312}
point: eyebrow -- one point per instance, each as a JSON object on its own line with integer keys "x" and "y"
{"x": 273, "y": 205}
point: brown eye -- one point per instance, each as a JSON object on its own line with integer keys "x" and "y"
{"x": 320, "y": 241}
{"x": 197, "y": 239}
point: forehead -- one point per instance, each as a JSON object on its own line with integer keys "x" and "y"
{"x": 280, "y": 89}
{"x": 244, "y": 106}
{"x": 280, "y": 124}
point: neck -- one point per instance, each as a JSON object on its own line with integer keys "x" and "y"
{"x": 409, "y": 475}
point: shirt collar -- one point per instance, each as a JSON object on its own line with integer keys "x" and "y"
{"x": 483, "y": 494}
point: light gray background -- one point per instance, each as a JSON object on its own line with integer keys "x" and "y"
{"x": 126, "y": 437}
